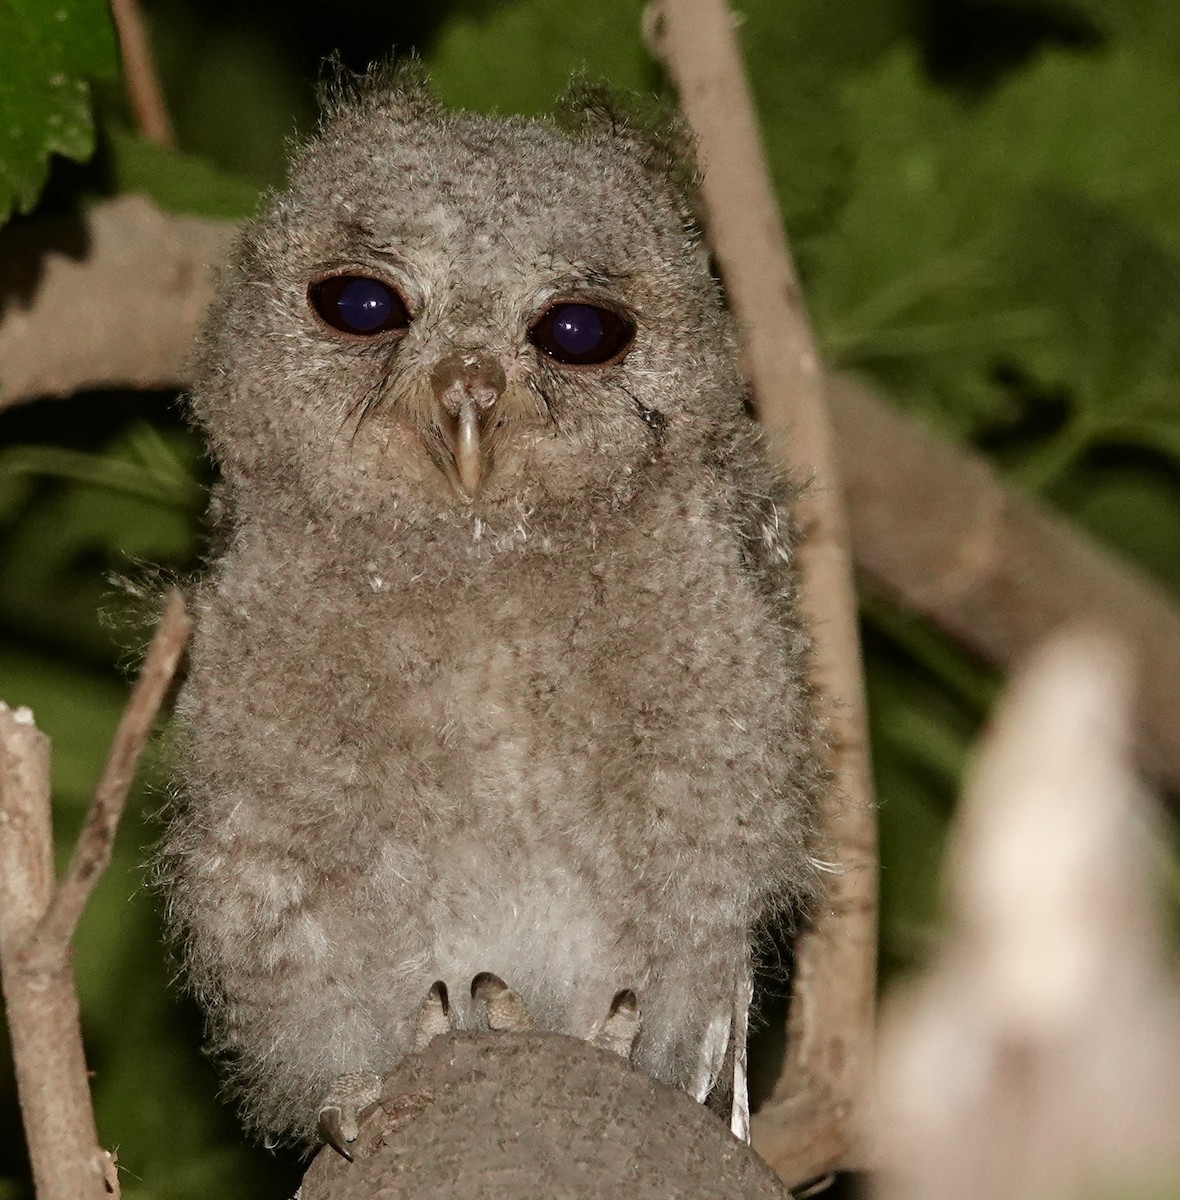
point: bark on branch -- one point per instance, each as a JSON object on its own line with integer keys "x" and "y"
{"x": 510, "y": 1116}
{"x": 41, "y": 1003}
{"x": 935, "y": 529}
{"x": 38, "y": 919}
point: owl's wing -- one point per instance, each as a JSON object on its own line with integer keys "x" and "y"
{"x": 739, "y": 1105}
{"x": 721, "y": 1064}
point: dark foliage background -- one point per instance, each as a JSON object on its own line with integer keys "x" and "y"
{"x": 984, "y": 199}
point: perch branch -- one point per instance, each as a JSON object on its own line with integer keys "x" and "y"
{"x": 531, "y": 1114}
{"x": 93, "y": 849}
{"x": 140, "y": 76}
{"x": 803, "y": 1129}
{"x": 41, "y": 1004}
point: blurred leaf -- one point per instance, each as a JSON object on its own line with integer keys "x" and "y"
{"x": 906, "y": 285}
{"x": 915, "y": 282}
{"x": 1154, "y": 25}
{"x": 179, "y": 183}
{"x": 135, "y": 502}
{"x": 235, "y": 97}
{"x": 51, "y": 49}
{"x": 518, "y": 57}
{"x": 1107, "y": 125}
{"x": 798, "y": 55}
{"x": 1113, "y": 295}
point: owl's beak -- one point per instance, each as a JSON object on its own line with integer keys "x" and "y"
{"x": 467, "y": 386}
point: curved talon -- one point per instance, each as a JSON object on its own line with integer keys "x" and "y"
{"x": 504, "y": 1009}
{"x": 353, "y": 1094}
{"x": 331, "y": 1125}
{"x": 434, "y": 1017}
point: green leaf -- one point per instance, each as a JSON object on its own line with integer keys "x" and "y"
{"x": 49, "y": 50}
{"x": 519, "y": 57}
{"x": 1113, "y": 293}
{"x": 179, "y": 183}
{"x": 1106, "y": 124}
{"x": 915, "y": 283}
{"x": 798, "y": 54}
{"x": 106, "y": 514}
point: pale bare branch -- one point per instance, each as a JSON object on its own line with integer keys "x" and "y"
{"x": 803, "y": 1129}
{"x": 140, "y": 77}
{"x": 41, "y": 1004}
{"x": 1040, "y": 1056}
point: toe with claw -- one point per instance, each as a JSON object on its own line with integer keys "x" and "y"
{"x": 504, "y": 1011}
{"x": 340, "y": 1113}
{"x": 618, "y": 1030}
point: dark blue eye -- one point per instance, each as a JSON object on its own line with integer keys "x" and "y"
{"x": 358, "y": 304}
{"x": 582, "y": 334}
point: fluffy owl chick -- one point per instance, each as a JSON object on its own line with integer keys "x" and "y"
{"x": 499, "y": 670}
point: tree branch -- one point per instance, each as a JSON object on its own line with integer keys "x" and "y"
{"x": 140, "y": 76}
{"x": 531, "y": 1114}
{"x": 803, "y": 1129}
{"x": 935, "y": 530}
{"x": 37, "y": 922}
{"x": 42, "y": 1005}
{"x": 111, "y": 299}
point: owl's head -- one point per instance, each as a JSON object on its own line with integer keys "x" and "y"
{"x": 446, "y": 309}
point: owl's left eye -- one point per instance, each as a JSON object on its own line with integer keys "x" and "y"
{"x": 358, "y": 304}
{"x": 582, "y": 334}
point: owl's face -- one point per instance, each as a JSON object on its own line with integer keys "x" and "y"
{"x": 449, "y": 310}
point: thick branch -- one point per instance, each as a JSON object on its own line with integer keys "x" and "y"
{"x": 936, "y": 530}
{"x": 109, "y": 300}
{"x": 803, "y": 1130}
{"x": 512, "y": 1115}
{"x": 42, "y": 1005}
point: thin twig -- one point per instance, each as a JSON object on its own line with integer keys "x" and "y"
{"x": 93, "y": 849}
{"x": 139, "y": 75}
{"x": 805, "y": 1129}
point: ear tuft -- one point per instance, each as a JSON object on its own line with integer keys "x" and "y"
{"x": 653, "y": 131}
{"x": 396, "y": 88}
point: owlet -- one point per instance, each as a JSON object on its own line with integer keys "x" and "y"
{"x": 496, "y": 714}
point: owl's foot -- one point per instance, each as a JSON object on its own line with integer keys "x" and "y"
{"x": 434, "y": 1017}
{"x": 617, "y": 1032}
{"x": 340, "y": 1113}
{"x": 503, "y": 1009}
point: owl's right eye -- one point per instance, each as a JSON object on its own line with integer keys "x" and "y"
{"x": 358, "y": 304}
